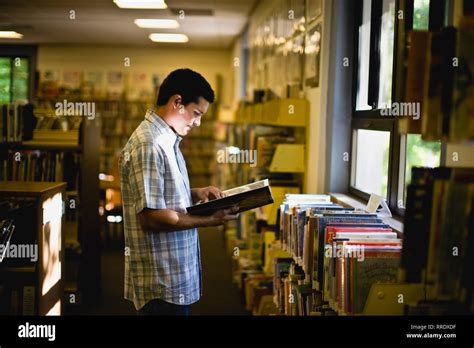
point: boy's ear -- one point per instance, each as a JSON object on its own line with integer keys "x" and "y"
{"x": 178, "y": 100}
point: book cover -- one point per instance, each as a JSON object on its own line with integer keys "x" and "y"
{"x": 417, "y": 71}
{"x": 378, "y": 266}
{"x": 416, "y": 231}
{"x": 245, "y": 197}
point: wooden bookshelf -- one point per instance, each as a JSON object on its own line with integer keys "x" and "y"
{"x": 36, "y": 288}
{"x": 119, "y": 119}
{"x": 277, "y": 131}
{"x": 279, "y": 112}
{"x": 86, "y": 204}
{"x": 199, "y": 151}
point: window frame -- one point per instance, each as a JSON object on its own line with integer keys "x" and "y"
{"x": 26, "y": 52}
{"x": 371, "y": 119}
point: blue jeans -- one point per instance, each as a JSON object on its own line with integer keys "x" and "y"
{"x": 160, "y": 307}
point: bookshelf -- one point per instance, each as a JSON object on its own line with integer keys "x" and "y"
{"x": 199, "y": 151}
{"x": 66, "y": 154}
{"x": 117, "y": 117}
{"x": 119, "y": 120}
{"x": 34, "y": 286}
{"x": 276, "y": 131}
{"x": 425, "y": 275}
{"x": 286, "y": 112}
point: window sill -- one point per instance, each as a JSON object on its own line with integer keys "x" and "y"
{"x": 349, "y": 201}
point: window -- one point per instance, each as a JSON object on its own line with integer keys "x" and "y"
{"x": 20, "y": 79}
{"x": 5, "y": 80}
{"x": 387, "y": 35}
{"x": 13, "y": 79}
{"x": 421, "y": 11}
{"x": 382, "y": 159}
{"x": 376, "y": 35}
{"x": 363, "y": 58}
{"x": 371, "y": 139}
{"x": 371, "y": 147}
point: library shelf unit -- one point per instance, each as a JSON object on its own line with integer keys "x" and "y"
{"x": 81, "y": 227}
{"x": 199, "y": 151}
{"x": 276, "y": 130}
{"x": 35, "y": 287}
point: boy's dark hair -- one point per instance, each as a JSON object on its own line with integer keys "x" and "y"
{"x": 189, "y": 84}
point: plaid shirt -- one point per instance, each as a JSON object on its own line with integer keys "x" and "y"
{"x": 164, "y": 265}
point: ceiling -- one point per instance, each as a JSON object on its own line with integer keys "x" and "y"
{"x": 102, "y": 22}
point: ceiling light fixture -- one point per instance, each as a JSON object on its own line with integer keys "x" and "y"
{"x": 5, "y": 34}
{"x": 157, "y": 23}
{"x": 162, "y": 37}
{"x": 141, "y": 4}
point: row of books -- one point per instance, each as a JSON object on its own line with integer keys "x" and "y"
{"x": 119, "y": 126}
{"x": 200, "y": 152}
{"x": 439, "y": 243}
{"x": 35, "y": 165}
{"x": 16, "y": 122}
{"x": 256, "y": 285}
{"x": 200, "y": 148}
{"x": 341, "y": 252}
{"x": 119, "y": 120}
{"x": 439, "y": 69}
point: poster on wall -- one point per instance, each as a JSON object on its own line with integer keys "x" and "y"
{"x": 50, "y": 75}
{"x": 141, "y": 86}
{"x": 115, "y": 83}
{"x": 313, "y": 56}
{"x": 71, "y": 79}
{"x": 93, "y": 77}
{"x": 93, "y": 83}
{"x": 314, "y": 9}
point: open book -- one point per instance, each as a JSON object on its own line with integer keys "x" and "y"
{"x": 245, "y": 197}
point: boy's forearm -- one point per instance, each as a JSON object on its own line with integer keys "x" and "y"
{"x": 166, "y": 220}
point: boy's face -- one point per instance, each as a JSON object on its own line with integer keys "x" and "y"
{"x": 189, "y": 116}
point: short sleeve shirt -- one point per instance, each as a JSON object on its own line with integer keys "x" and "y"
{"x": 163, "y": 265}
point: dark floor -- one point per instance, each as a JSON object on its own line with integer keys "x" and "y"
{"x": 220, "y": 295}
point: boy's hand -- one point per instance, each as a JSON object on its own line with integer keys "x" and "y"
{"x": 222, "y": 216}
{"x": 205, "y": 194}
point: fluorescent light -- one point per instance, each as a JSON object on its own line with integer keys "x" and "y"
{"x": 161, "y": 37}
{"x": 141, "y": 4}
{"x": 10, "y": 35}
{"x": 157, "y": 23}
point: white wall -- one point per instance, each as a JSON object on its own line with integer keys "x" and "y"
{"x": 142, "y": 59}
{"x": 316, "y": 150}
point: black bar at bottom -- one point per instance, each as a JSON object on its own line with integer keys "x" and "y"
{"x": 453, "y": 330}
